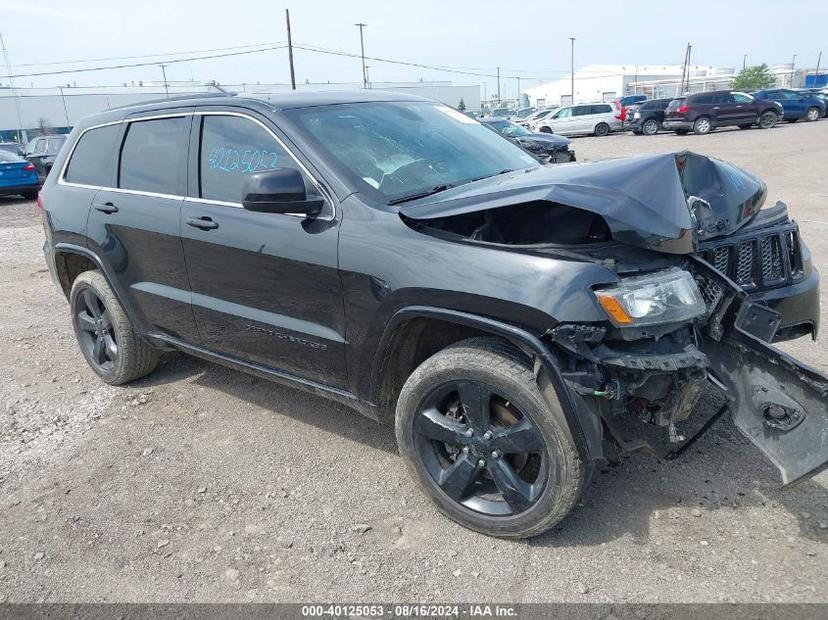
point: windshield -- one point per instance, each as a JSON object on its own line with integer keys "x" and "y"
{"x": 400, "y": 150}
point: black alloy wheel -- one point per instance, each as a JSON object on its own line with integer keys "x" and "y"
{"x": 96, "y": 333}
{"x": 480, "y": 450}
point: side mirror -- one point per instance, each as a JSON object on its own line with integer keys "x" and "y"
{"x": 279, "y": 191}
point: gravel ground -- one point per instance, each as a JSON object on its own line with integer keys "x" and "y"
{"x": 204, "y": 484}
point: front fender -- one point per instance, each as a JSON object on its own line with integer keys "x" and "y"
{"x": 580, "y": 421}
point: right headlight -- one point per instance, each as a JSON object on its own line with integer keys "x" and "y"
{"x": 663, "y": 297}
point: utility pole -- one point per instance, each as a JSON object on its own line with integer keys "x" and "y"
{"x": 290, "y": 52}
{"x": 518, "y": 93}
{"x": 816, "y": 73}
{"x": 14, "y": 90}
{"x": 362, "y": 48}
{"x": 164, "y": 73}
{"x": 65, "y": 111}
{"x": 368, "y": 74}
{"x": 685, "y": 71}
{"x": 635, "y": 90}
{"x": 571, "y": 70}
{"x": 793, "y": 69}
{"x": 498, "y": 87}
{"x": 744, "y": 62}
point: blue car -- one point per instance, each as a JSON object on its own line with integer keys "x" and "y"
{"x": 797, "y": 105}
{"x": 18, "y": 176}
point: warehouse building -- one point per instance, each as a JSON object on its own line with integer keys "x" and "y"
{"x": 25, "y": 112}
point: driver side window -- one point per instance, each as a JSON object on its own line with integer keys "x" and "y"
{"x": 565, "y": 113}
{"x": 231, "y": 148}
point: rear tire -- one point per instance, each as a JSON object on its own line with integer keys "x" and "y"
{"x": 601, "y": 130}
{"x": 702, "y": 126}
{"x": 650, "y": 127}
{"x": 107, "y": 339}
{"x": 492, "y": 375}
{"x": 768, "y": 120}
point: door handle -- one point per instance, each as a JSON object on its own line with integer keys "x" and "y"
{"x": 203, "y": 222}
{"x": 715, "y": 107}
{"x": 105, "y": 207}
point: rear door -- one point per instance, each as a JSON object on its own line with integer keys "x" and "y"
{"x": 135, "y": 224}
{"x": 582, "y": 119}
{"x": 266, "y": 286}
{"x": 725, "y": 110}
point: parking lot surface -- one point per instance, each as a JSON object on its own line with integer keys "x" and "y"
{"x": 200, "y": 483}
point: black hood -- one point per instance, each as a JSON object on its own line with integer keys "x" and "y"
{"x": 666, "y": 202}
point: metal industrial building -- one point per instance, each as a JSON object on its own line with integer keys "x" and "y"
{"x": 25, "y": 111}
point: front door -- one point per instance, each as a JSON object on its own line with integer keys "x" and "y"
{"x": 135, "y": 225}
{"x": 266, "y": 286}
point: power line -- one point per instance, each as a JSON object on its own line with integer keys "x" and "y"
{"x": 136, "y": 56}
{"x": 143, "y": 64}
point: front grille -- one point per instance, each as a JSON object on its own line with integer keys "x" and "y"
{"x": 760, "y": 262}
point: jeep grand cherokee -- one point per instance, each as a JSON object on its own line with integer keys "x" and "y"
{"x": 393, "y": 254}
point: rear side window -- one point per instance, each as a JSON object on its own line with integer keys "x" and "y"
{"x": 581, "y": 110}
{"x": 154, "y": 156}
{"x": 93, "y": 160}
{"x": 702, "y": 99}
{"x": 231, "y": 148}
{"x": 601, "y": 109}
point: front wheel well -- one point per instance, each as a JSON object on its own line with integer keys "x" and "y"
{"x": 412, "y": 343}
{"x": 69, "y": 266}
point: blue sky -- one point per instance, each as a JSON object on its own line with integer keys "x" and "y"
{"x": 529, "y": 39}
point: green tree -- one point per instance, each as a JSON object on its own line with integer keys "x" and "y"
{"x": 462, "y": 105}
{"x": 754, "y": 78}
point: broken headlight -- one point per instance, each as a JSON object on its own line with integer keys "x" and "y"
{"x": 663, "y": 297}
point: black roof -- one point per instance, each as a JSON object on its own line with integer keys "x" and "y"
{"x": 270, "y": 101}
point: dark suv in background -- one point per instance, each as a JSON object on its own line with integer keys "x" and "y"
{"x": 648, "y": 117}
{"x": 394, "y": 255}
{"x": 701, "y": 113}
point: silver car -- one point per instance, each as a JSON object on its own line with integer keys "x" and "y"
{"x": 596, "y": 119}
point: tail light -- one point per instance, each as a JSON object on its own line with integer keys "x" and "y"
{"x": 29, "y": 166}
{"x": 682, "y": 109}
{"x": 40, "y": 203}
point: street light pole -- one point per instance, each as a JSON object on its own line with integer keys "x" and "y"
{"x": 362, "y": 49}
{"x": 571, "y": 70}
{"x": 744, "y": 62}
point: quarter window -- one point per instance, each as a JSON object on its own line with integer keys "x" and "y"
{"x": 93, "y": 160}
{"x": 231, "y": 148}
{"x": 154, "y": 156}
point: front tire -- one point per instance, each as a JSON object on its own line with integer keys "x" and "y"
{"x": 813, "y": 114}
{"x": 107, "y": 339}
{"x": 768, "y": 120}
{"x": 493, "y": 453}
{"x": 601, "y": 130}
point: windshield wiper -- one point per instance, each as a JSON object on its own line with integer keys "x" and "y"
{"x": 429, "y": 192}
{"x": 496, "y": 174}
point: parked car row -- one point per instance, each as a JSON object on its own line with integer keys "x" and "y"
{"x": 22, "y": 171}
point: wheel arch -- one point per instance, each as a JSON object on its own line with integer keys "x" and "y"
{"x": 71, "y": 260}
{"x": 404, "y": 346}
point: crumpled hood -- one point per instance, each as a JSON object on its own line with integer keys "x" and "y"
{"x": 643, "y": 199}
{"x": 546, "y": 141}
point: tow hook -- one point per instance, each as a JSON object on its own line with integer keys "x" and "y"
{"x": 782, "y": 418}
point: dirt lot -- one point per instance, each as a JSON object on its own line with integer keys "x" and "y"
{"x": 204, "y": 484}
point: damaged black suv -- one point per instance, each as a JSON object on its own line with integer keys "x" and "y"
{"x": 395, "y": 255}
